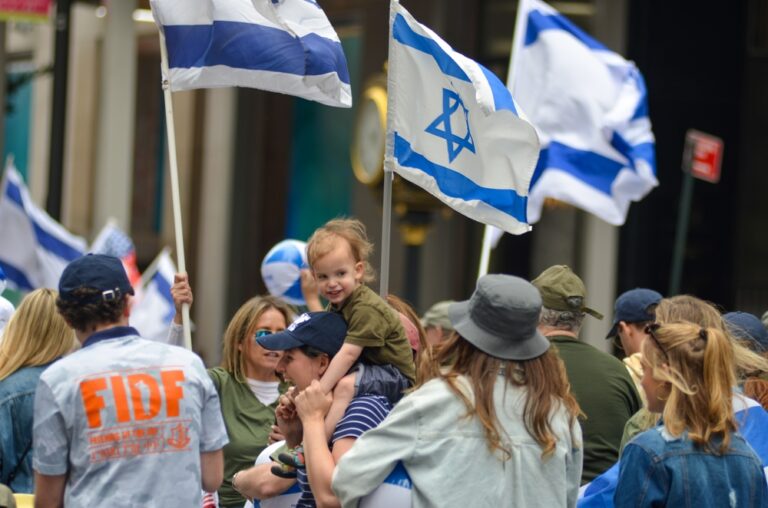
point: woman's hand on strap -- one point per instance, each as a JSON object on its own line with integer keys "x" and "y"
{"x": 312, "y": 403}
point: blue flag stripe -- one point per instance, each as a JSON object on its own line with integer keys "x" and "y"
{"x": 593, "y": 169}
{"x": 44, "y": 238}
{"x": 254, "y": 47}
{"x": 456, "y": 185}
{"x": 404, "y": 34}
{"x": 164, "y": 288}
{"x": 644, "y": 151}
{"x": 502, "y": 99}
{"x": 17, "y": 276}
{"x": 538, "y": 22}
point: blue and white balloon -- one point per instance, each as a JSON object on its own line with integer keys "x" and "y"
{"x": 281, "y": 270}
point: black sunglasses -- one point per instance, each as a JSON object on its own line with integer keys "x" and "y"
{"x": 651, "y": 330}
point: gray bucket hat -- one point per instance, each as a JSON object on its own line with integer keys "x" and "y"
{"x": 501, "y": 318}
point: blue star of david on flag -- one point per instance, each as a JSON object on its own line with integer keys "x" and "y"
{"x": 455, "y": 144}
{"x": 470, "y": 114}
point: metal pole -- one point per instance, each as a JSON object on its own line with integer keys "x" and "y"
{"x": 681, "y": 233}
{"x": 58, "y": 109}
{"x": 386, "y": 231}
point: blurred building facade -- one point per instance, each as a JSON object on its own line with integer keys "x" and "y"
{"x": 256, "y": 167}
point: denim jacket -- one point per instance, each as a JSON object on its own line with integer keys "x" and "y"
{"x": 17, "y": 398}
{"x": 658, "y": 469}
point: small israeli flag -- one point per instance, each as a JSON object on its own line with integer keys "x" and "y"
{"x": 285, "y": 46}
{"x": 590, "y": 108}
{"x": 34, "y": 248}
{"x": 454, "y": 129}
{"x": 153, "y": 311}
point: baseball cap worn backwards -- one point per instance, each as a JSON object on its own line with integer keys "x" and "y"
{"x": 563, "y": 290}
{"x": 104, "y": 274}
{"x": 324, "y": 331}
{"x": 634, "y": 306}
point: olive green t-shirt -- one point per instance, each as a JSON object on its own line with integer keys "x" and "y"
{"x": 248, "y": 423}
{"x": 375, "y": 326}
{"x": 607, "y": 396}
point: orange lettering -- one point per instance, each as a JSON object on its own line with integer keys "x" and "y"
{"x": 154, "y": 396}
{"x": 122, "y": 411}
{"x": 93, "y": 402}
{"x": 173, "y": 392}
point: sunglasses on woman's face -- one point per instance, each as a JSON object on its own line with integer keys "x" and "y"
{"x": 262, "y": 332}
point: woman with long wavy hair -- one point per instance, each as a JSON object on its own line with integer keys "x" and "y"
{"x": 497, "y": 426}
{"x": 35, "y": 336}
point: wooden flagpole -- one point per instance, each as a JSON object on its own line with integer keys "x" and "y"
{"x": 174, "y": 169}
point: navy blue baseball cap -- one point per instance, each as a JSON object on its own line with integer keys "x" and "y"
{"x": 634, "y": 306}
{"x": 744, "y": 325}
{"x": 324, "y": 331}
{"x": 103, "y": 273}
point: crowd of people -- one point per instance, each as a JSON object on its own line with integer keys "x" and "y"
{"x": 496, "y": 400}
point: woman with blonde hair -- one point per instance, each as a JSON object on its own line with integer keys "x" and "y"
{"x": 497, "y": 426}
{"x": 35, "y": 336}
{"x": 695, "y": 456}
{"x": 246, "y": 381}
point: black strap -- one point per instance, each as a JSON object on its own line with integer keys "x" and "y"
{"x": 19, "y": 464}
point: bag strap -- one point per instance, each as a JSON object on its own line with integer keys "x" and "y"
{"x": 19, "y": 464}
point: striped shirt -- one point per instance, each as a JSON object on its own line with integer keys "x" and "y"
{"x": 363, "y": 413}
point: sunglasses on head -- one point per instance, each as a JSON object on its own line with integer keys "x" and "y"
{"x": 651, "y": 330}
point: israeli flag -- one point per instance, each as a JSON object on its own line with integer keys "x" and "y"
{"x": 34, "y": 248}
{"x": 153, "y": 312}
{"x": 590, "y": 108}
{"x": 454, "y": 129}
{"x": 285, "y": 46}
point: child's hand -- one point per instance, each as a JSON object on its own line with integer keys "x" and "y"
{"x": 286, "y": 409}
{"x": 275, "y": 435}
{"x": 313, "y": 403}
{"x": 288, "y": 423}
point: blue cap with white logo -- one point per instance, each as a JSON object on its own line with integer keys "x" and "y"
{"x": 324, "y": 331}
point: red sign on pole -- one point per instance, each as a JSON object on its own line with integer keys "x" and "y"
{"x": 703, "y": 155}
{"x": 24, "y": 10}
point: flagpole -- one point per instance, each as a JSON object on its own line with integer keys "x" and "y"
{"x": 389, "y": 162}
{"x": 174, "y": 182}
{"x": 485, "y": 252}
{"x": 522, "y": 8}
